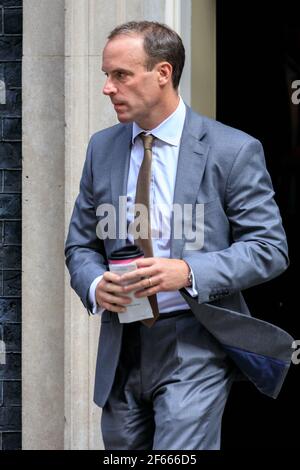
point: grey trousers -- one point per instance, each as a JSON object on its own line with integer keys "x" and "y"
{"x": 170, "y": 388}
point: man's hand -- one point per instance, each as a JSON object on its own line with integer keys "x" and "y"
{"x": 110, "y": 293}
{"x": 158, "y": 275}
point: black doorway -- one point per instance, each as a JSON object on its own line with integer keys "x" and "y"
{"x": 258, "y": 61}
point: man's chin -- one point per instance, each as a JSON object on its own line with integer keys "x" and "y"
{"x": 124, "y": 119}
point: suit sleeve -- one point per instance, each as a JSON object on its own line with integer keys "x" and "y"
{"x": 84, "y": 251}
{"x": 258, "y": 251}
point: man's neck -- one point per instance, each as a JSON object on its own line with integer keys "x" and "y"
{"x": 160, "y": 114}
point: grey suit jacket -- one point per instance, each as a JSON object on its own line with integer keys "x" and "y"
{"x": 244, "y": 242}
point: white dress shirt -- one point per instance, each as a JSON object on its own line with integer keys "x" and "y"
{"x": 165, "y": 152}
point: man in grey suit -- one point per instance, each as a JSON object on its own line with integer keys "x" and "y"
{"x": 165, "y": 386}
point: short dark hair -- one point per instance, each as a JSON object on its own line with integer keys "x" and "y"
{"x": 161, "y": 43}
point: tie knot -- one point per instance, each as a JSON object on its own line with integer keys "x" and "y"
{"x": 147, "y": 141}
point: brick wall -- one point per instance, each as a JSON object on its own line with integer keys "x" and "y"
{"x": 10, "y": 223}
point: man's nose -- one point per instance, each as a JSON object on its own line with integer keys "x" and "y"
{"x": 109, "y": 88}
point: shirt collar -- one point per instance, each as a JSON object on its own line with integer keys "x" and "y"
{"x": 169, "y": 130}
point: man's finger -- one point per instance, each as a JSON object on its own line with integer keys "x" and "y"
{"x": 112, "y": 288}
{"x": 112, "y": 277}
{"x": 113, "y": 308}
{"x": 142, "y": 284}
{"x": 146, "y": 283}
{"x": 143, "y": 262}
{"x": 114, "y": 299}
{"x": 147, "y": 292}
{"x": 137, "y": 274}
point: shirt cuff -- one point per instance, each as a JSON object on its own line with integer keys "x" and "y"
{"x": 192, "y": 289}
{"x": 96, "y": 309}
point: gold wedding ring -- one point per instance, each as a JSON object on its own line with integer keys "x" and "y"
{"x": 150, "y": 282}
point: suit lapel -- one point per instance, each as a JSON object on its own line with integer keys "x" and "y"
{"x": 191, "y": 164}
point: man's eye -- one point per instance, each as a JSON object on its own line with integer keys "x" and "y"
{"x": 120, "y": 75}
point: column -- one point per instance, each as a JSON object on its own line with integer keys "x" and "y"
{"x": 43, "y": 225}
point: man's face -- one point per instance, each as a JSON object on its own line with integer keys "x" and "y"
{"x": 133, "y": 90}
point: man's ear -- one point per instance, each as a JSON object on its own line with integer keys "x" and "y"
{"x": 165, "y": 71}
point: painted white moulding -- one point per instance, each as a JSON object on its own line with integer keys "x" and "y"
{"x": 2, "y": 92}
{"x": 2, "y": 352}
{"x": 173, "y": 14}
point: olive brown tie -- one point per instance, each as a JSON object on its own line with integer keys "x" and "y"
{"x": 142, "y": 196}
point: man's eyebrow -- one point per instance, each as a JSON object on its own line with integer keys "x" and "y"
{"x": 117, "y": 70}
